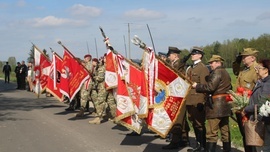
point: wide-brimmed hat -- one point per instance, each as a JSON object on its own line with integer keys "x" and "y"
{"x": 250, "y": 51}
{"x": 173, "y": 50}
{"x": 197, "y": 50}
{"x": 216, "y": 58}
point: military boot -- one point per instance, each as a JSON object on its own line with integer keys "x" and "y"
{"x": 97, "y": 121}
{"x": 80, "y": 113}
{"x": 226, "y": 146}
{"x": 211, "y": 147}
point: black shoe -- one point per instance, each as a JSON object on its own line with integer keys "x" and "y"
{"x": 184, "y": 144}
{"x": 133, "y": 133}
{"x": 198, "y": 149}
{"x": 70, "y": 108}
{"x": 171, "y": 146}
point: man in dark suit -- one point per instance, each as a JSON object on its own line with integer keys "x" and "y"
{"x": 6, "y": 71}
{"x": 194, "y": 100}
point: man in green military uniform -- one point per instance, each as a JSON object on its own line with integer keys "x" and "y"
{"x": 86, "y": 87}
{"x": 217, "y": 109}
{"x": 246, "y": 78}
{"x": 180, "y": 129}
{"x": 194, "y": 100}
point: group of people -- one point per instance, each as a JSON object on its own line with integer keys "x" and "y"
{"x": 207, "y": 99}
{"x": 21, "y": 71}
{"x": 94, "y": 90}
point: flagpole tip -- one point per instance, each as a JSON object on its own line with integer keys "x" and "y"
{"x": 59, "y": 42}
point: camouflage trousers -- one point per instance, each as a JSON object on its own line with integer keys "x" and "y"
{"x": 85, "y": 96}
{"x": 105, "y": 101}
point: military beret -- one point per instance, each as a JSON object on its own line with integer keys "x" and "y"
{"x": 18, "y": 63}
{"x": 95, "y": 60}
{"x": 250, "y": 51}
{"x": 197, "y": 50}
{"x": 87, "y": 55}
{"x": 173, "y": 50}
{"x": 162, "y": 54}
{"x": 216, "y": 58}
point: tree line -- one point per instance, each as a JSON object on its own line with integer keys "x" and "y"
{"x": 229, "y": 49}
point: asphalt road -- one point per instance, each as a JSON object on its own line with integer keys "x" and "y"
{"x": 31, "y": 124}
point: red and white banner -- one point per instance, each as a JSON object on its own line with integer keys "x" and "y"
{"x": 169, "y": 91}
{"x": 124, "y": 103}
{"x": 73, "y": 75}
{"x": 111, "y": 73}
{"x": 41, "y": 70}
{"x": 53, "y": 85}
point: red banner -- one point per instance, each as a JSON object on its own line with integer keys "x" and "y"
{"x": 169, "y": 91}
{"x": 53, "y": 85}
{"x": 41, "y": 70}
{"x": 73, "y": 75}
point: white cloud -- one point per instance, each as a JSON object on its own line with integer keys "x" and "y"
{"x": 54, "y": 21}
{"x": 143, "y": 14}
{"x": 85, "y": 11}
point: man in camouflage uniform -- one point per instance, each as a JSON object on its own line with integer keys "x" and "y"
{"x": 86, "y": 87}
{"x": 194, "y": 100}
{"x": 94, "y": 84}
{"x": 104, "y": 97}
{"x": 180, "y": 129}
{"x": 247, "y": 79}
{"x": 217, "y": 109}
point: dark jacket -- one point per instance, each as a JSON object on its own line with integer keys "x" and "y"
{"x": 218, "y": 83}
{"x": 259, "y": 95}
{"x": 196, "y": 73}
{"x": 179, "y": 66}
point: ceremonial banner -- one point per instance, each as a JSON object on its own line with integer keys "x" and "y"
{"x": 110, "y": 74}
{"x": 149, "y": 69}
{"x": 73, "y": 75}
{"x": 169, "y": 92}
{"x": 53, "y": 85}
{"x": 124, "y": 103}
{"x": 132, "y": 75}
{"x": 132, "y": 122}
{"x": 41, "y": 70}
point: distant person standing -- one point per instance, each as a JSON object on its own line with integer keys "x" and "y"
{"x": 6, "y": 71}
{"x": 17, "y": 72}
{"x": 23, "y": 75}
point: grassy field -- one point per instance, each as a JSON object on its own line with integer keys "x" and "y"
{"x": 235, "y": 133}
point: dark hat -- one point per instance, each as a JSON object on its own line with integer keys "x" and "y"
{"x": 18, "y": 63}
{"x": 250, "y": 51}
{"x": 162, "y": 54}
{"x": 87, "y": 55}
{"x": 216, "y": 58}
{"x": 197, "y": 50}
{"x": 95, "y": 60}
{"x": 173, "y": 50}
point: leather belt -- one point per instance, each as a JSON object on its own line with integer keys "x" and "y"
{"x": 219, "y": 96}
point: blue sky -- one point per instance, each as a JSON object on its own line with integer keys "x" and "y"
{"x": 180, "y": 23}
